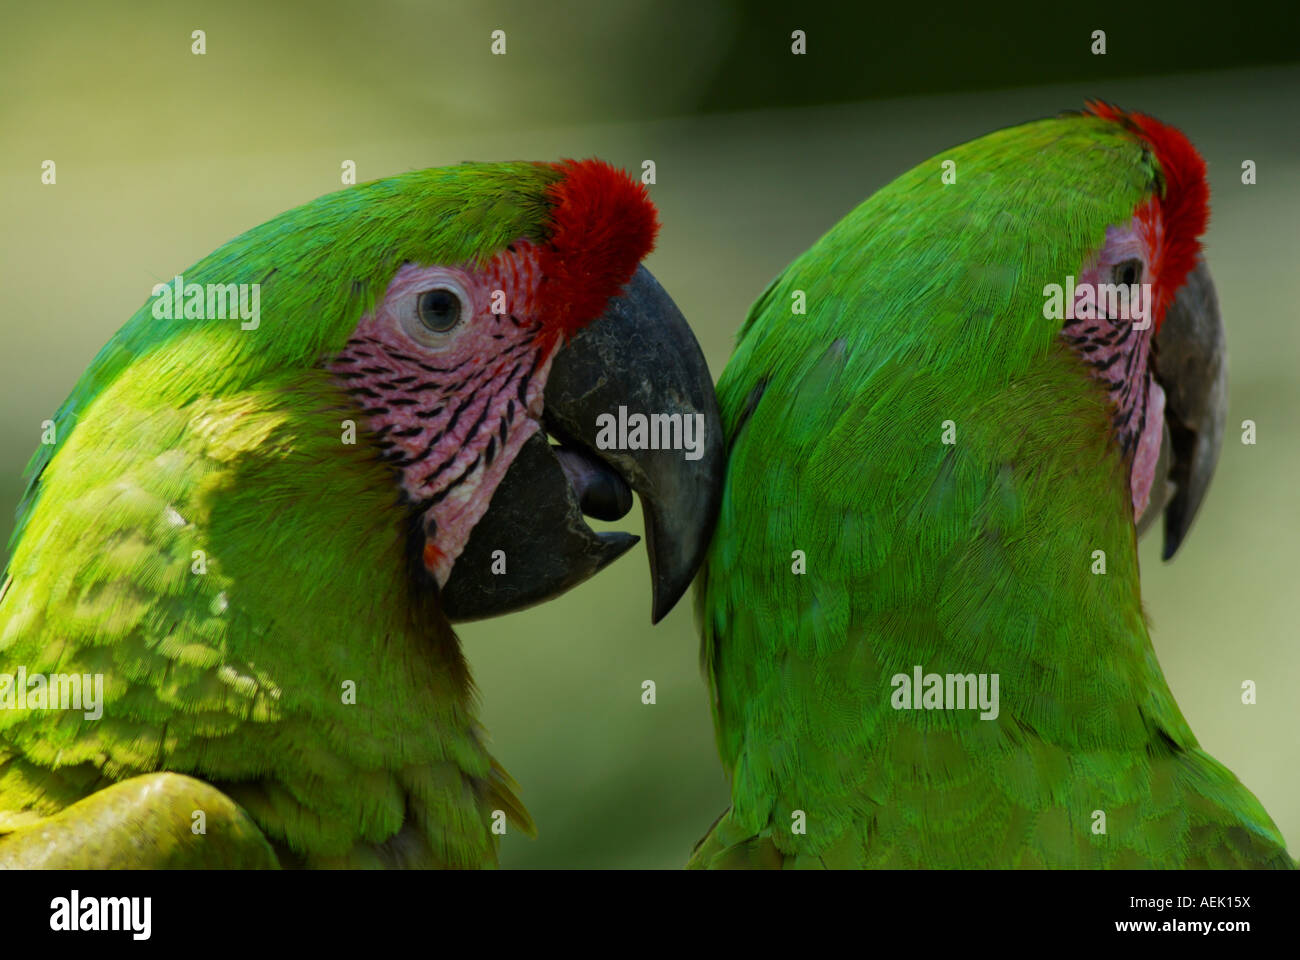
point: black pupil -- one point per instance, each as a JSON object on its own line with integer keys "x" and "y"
{"x": 439, "y": 309}
{"x": 1130, "y": 271}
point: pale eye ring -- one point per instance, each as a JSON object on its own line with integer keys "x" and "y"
{"x": 430, "y": 315}
{"x": 439, "y": 309}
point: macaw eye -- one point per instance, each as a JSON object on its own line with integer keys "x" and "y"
{"x": 439, "y": 309}
{"x": 432, "y": 317}
{"x": 1127, "y": 272}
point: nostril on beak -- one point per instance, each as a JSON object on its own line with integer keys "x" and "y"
{"x": 602, "y": 493}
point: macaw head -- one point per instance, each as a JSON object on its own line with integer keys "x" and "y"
{"x": 471, "y": 362}
{"x": 458, "y": 317}
{"x": 1172, "y": 387}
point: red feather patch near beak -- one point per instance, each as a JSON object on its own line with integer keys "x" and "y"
{"x": 1184, "y": 203}
{"x": 602, "y": 225}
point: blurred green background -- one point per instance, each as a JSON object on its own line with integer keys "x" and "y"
{"x": 163, "y": 155}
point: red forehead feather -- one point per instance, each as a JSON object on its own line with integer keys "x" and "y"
{"x": 602, "y": 226}
{"x": 1184, "y": 204}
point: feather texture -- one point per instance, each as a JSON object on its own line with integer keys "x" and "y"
{"x": 925, "y": 305}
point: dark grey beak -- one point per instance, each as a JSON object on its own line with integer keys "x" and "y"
{"x": 640, "y": 356}
{"x": 1191, "y": 365}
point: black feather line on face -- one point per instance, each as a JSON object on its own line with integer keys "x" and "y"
{"x": 441, "y": 494}
{"x": 473, "y": 430}
{"x": 528, "y": 378}
{"x": 431, "y": 369}
{"x": 437, "y": 497}
{"x": 417, "y": 457}
{"x": 455, "y": 416}
{"x": 1106, "y": 364}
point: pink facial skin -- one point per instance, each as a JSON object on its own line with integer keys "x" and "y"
{"x": 452, "y": 409}
{"x": 1117, "y": 353}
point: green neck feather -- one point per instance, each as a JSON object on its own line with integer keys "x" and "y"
{"x": 240, "y": 576}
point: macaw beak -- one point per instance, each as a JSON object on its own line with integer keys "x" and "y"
{"x": 640, "y": 355}
{"x": 1191, "y": 365}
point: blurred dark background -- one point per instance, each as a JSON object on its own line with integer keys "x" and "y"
{"x": 870, "y": 50}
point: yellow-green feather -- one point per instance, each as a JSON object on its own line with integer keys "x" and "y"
{"x": 202, "y": 537}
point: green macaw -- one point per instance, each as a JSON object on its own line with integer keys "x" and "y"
{"x": 922, "y": 627}
{"x": 274, "y": 490}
